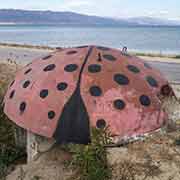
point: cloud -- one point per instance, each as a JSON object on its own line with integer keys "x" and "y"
{"x": 107, "y": 8}
{"x": 162, "y": 13}
{"x": 73, "y": 4}
{"x": 65, "y": 5}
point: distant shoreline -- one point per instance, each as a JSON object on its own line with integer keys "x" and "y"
{"x": 7, "y": 23}
{"x": 27, "y": 46}
{"x": 87, "y": 25}
{"x": 141, "y": 54}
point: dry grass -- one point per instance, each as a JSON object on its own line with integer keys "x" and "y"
{"x": 8, "y": 150}
{"x": 128, "y": 170}
{"x": 156, "y": 157}
{"x": 27, "y": 46}
{"x": 175, "y": 56}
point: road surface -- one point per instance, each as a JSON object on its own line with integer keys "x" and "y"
{"x": 170, "y": 70}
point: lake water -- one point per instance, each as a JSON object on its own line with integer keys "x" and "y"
{"x": 144, "y": 39}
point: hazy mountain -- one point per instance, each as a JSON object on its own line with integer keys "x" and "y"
{"x": 51, "y": 17}
{"x": 71, "y": 18}
{"x": 153, "y": 21}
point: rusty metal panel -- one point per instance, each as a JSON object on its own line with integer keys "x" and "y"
{"x": 86, "y": 86}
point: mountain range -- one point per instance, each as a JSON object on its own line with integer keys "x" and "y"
{"x": 16, "y": 16}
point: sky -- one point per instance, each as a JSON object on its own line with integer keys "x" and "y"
{"x": 167, "y": 9}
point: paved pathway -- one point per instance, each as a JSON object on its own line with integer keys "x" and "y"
{"x": 170, "y": 70}
{"x": 20, "y": 55}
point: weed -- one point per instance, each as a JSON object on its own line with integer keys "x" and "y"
{"x": 177, "y": 57}
{"x": 177, "y": 141}
{"x": 91, "y": 159}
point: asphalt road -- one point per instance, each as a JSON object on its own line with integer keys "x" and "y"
{"x": 170, "y": 70}
{"x": 24, "y": 55}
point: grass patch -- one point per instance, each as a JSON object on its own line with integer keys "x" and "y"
{"x": 149, "y": 54}
{"x": 177, "y": 57}
{"x": 91, "y": 159}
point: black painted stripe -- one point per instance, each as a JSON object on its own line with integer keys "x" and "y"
{"x": 83, "y": 65}
{"x": 73, "y": 124}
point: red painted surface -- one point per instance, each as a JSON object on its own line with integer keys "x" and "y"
{"x": 133, "y": 119}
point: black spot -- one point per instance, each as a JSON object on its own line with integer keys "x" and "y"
{"x": 133, "y": 69}
{"x": 22, "y": 107}
{"x": 12, "y": 94}
{"x": 43, "y": 93}
{"x": 47, "y": 57}
{"x": 12, "y": 83}
{"x": 103, "y": 48}
{"x": 119, "y": 104}
{"x": 50, "y": 67}
{"x": 152, "y": 82}
{"x": 29, "y": 70}
{"x": 94, "y": 68}
{"x": 101, "y": 123}
{"x": 95, "y": 91}
{"x": 26, "y": 84}
{"x": 71, "y": 52}
{"x": 51, "y": 114}
{"x": 144, "y": 100}
{"x": 121, "y": 79}
{"x": 71, "y": 67}
{"x": 109, "y": 57}
{"x": 82, "y": 46}
{"x": 62, "y": 86}
{"x": 28, "y": 64}
{"x": 147, "y": 65}
{"x": 166, "y": 90}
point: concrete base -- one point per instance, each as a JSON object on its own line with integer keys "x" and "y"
{"x": 20, "y": 136}
{"x": 37, "y": 145}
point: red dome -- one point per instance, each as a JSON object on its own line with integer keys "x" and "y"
{"x": 64, "y": 94}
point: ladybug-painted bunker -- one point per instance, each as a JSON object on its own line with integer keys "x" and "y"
{"x": 66, "y": 93}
